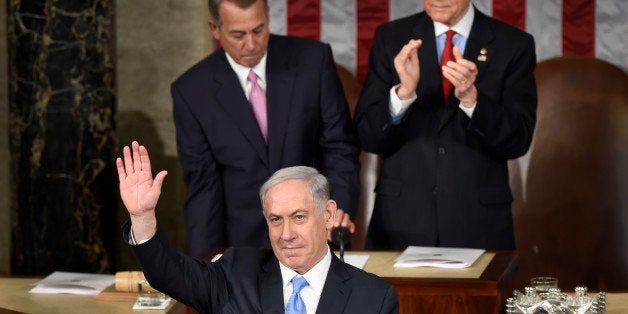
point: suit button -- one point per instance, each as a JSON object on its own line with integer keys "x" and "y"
{"x": 441, "y": 150}
{"x": 435, "y": 190}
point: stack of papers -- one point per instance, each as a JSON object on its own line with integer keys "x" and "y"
{"x": 73, "y": 283}
{"x": 443, "y": 257}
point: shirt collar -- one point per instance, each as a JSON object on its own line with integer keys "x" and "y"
{"x": 243, "y": 72}
{"x": 315, "y": 277}
{"x": 463, "y": 27}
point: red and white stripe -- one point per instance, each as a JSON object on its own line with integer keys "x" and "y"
{"x": 596, "y": 28}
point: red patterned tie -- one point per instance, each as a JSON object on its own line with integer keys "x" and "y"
{"x": 257, "y": 98}
{"x": 448, "y": 55}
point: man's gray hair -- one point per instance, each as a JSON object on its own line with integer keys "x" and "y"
{"x": 214, "y": 6}
{"x": 317, "y": 183}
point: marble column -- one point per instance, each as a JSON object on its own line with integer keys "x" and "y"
{"x": 62, "y": 135}
{"x": 5, "y": 183}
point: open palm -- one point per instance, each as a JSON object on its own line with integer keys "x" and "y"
{"x": 138, "y": 190}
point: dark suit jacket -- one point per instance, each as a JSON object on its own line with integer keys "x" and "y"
{"x": 444, "y": 179}
{"x": 248, "y": 280}
{"x": 224, "y": 157}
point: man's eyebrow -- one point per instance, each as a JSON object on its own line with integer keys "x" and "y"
{"x": 292, "y": 214}
{"x": 237, "y": 32}
{"x": 298, "y": 211}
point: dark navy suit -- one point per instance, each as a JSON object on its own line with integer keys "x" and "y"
{"x": 248, "y": 280}
{"x": 223, "y": 154}
{"x": 444, "y": 179}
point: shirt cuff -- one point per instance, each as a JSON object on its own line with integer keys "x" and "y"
{"x": 468, "y": 111}
{"x": 132, "y": 239}
{"x": 397, "y": 106}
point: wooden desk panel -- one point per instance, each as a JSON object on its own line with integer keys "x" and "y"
{"x": 481, "y": 288}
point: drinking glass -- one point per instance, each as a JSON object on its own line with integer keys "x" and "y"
{"x": 147, "y": 296}
{"x": 543, "y": 284}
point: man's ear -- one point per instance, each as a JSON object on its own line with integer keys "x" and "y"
{"x": 330, "y": 214}
{"x": 214, "y": 28}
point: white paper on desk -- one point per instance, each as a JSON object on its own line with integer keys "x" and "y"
{"x": 443, "y": 257}
{"x": 355, "y": 260}
{"x": 73, "y": 283}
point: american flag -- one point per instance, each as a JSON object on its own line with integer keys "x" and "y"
{"x": 596, "y": 28}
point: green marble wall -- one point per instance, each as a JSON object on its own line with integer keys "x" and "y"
{"x": 62, "y": 140}
{"x": 154, "y": 42}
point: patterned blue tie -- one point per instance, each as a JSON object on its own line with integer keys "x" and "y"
{"x": 295, "y": 304}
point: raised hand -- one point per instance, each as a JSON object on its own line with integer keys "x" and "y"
{"x": 138, "y": 190}
{"x": 408, "y": 68}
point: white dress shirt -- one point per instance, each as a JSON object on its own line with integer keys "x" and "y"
{"x": 243, "y": 72}
{"x": 397, "y": 106}
{"x": 315, "y": 277}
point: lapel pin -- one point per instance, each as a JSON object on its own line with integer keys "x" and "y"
{"x": 482, "y": 56}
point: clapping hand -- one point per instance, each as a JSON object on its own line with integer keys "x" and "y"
{"x": 408, "y": 68}
{"x": 462, "y": 74}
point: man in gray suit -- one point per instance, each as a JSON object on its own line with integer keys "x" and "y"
{"x": 299, "y": 214}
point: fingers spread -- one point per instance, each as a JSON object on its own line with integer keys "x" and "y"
{"x": 159, "y": 179}
{"x": 121, "y": 172}
{"x": 144, "y": 160}
{"x": 137, "y": 162}
{"x": 128, "y": 160}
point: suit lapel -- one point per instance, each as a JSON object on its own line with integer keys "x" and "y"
{"x": 270, "y": 287}
{"x": 335, "y": 292}
{"x": 281, "y": 76}
{"x": 478, "y": 43}
{"x": 231, "y": 98}
{"x": 479, "y": 38}
{"x": 430, "y": 87}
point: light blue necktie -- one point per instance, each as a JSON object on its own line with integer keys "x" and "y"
{"x": 296, "y": 304}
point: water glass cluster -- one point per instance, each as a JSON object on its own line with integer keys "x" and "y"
{"x": 544, "y": 296}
